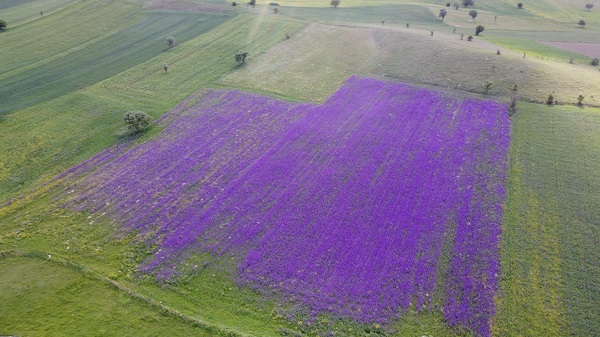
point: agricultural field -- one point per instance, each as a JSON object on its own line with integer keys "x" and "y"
{"x": 360, "y": 174}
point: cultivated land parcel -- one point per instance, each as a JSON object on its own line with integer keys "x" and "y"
{"x": 354, "y": 178}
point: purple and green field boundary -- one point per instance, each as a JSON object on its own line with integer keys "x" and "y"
{"x": 383, "y": 199}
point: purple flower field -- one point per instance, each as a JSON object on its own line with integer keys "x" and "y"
{"x": 386, "y": 197}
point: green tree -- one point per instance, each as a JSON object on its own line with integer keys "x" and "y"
{"x": 473, "y": 13}
{"x": 468, "y": 3}
{"x": 3, "y": 25}
{"x": 520, "y": 5}
{"x": 589, "y": 6}
{"x": 241, "y": 57}
{"x": 443, "y": 13}
{"x": 137, "y": 121}
{"x": 581, "y": 23}
{"x": 170, "y": 42}
{"x": 335, "y": 3}
{"x": 479, "y": 29}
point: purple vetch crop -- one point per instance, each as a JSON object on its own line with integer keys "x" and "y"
{"x": 386, "y": 197}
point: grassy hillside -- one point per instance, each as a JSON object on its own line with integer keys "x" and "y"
{"x": 89, "y": 119}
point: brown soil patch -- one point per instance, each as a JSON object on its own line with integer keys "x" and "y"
{"x": 183, "y": 5}
{"x": 583, "y": 48}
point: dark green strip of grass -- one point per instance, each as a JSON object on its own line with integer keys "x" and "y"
{"x": 11, "y": 3}
{"x": 110, "y": 56}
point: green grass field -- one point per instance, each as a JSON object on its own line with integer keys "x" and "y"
{"x": 550, "y": 247}
{"x": 64, "y": 92}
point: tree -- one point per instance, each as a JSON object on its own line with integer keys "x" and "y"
{"x": 335, "y": 3}
{"x": 468, "y": 3}
{"x": 550, "y": 99}
{"x": 512, "y": 106}
{"x": 470, "y": 38}
{"x": 580, "y": 100}
{"x": 241, "y": 57}
{"x": 479, "y": 29}
{"x": 443, "y": 13}
{"x": 3, "y": 25}
{"x": 456, "y": 5}
{"x": 252, "y": 3}
{"x": 581, "y": 23}
{"x": 520, "y": 5}
{"x": 166, "y": 68}
{"x": 473, "y": 14}
{"x": 137, "y": 121}
{"x": 448, "y": 4}
{"x": 170, "y": 42}
{"x": 595, "y": 61}
{"x": 275, "y": 10}
{"x": 589, "y": 6}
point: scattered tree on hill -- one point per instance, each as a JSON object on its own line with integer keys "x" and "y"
{"x": 488, "y": 85}
{"x": 170, "y": 42}
{"x": 580, "y": 100}
{"x": 468, "y": 3}
{"x": 234, "y": 3}
{"x": 448, "y": 4}
{"x": 443, "y": 13}
{"x": 41, "y": 13}
{"x": 512, "y": 106}
{"x": 241, "y": 57}
{"x": 589, "y": 6}
{"x": 334, "y": 3}
{"x": 252, "y": 3}
{"x": 137, "y": 121}
{"x": 479, "y": 29}
{"x": 595, "y": 61}
{"x": 498, "y": 52}
{"x": 470, "y": 38}
{"x": 456, "y": 5}
{"x": 581, "y": 23}
{"x": 473, "y": 13}
{"x": 275, "y": 10}
{"x": 3, "y": 25}
{"x": 166, "y": 68}
{"x": 550, "y": 99}
{"x": 520, "y": 5}
{"x": 407, "y": 25}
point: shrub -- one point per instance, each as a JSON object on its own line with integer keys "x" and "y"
{"x": 479, "y": 29}
{"x": 520, "y": 5}
{"x": 137, "y": 121}
{"x": 241, "y": 57}
{"x": 595, "y": 61}
{"x": 170, "y": 42}
{"x": 550, "y": 99}
{"x": 3, "y": 25}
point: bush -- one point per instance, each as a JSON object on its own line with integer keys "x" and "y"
{"x": 240, "y": 57}
{"x": 520, "y": 5}
{"x": 595, "y": 61}
{"x": 479, "y": 29}
{"x": 550, "y": 99}
{"x": 3, "y": 25}
{"x": 136, "y": 121}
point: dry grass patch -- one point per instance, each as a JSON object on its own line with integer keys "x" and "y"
{"x": 589, "y": 49}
